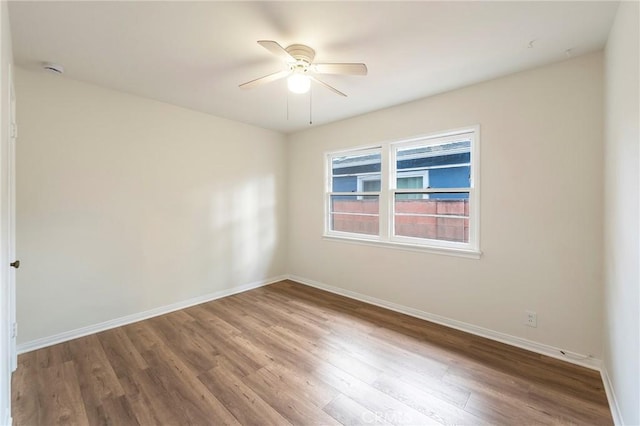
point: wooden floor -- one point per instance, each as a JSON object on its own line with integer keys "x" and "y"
{"x": 290, "y": 354}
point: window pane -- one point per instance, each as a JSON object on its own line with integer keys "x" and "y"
{"x": 441, "y": 216}
{"x": 445, "y": 165}
{"x": 355, "y": 214}
{"x": 450, "y": 177}
{"x": 409, "y": 183}
{"x": 353, "y": 173}
{"x": 371, "y": 185}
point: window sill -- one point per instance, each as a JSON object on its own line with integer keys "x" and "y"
{"x": 448, "y": 251}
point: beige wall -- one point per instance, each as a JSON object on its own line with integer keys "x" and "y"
{"x": 126, "y": 204}
{"x": 622, "y": 213}
{"x": 541, "y": 208}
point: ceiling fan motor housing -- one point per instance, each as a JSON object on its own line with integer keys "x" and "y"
{"x": 301, "y": 53}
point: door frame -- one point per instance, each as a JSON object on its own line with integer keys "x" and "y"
{"x": 11, "y": 222}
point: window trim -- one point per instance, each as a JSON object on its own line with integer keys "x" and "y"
{"x": 329, "y": 156}
{"x": 386, "y": 237}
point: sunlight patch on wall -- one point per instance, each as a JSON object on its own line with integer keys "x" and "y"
{"x": 244, "y": 227}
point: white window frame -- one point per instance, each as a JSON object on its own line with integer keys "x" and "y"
{"x": 329, "y": 192}
{"x": 387, "y": 193}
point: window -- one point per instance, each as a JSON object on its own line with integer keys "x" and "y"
{"x": 420, "y": 193}
{"x": 354, "y": 201}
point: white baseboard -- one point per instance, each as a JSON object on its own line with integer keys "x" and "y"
{"x": 118, "y": 322}
{"x": 536, "y": 347}
{"x": 540, "y": 348}
{"x": 611, "y": 396}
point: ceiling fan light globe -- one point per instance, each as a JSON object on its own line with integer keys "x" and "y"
{"x": 298, "y": 83}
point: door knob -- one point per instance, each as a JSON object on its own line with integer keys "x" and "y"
{"x": 15, "y": 264}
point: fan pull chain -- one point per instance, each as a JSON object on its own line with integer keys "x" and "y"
{"x": 310, "y": 111}
{"x": 287, "y": 105}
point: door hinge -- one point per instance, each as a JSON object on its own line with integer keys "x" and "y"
{"x": 14, "y": 130}
{"x": 14, "y": 330}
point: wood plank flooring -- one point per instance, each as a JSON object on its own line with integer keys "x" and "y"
{"x": 290, "y": 354}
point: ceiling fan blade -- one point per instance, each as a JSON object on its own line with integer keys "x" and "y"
{"x": 333, "y": 89}
{"x": 348, "y": 69}
{"x": 266, "y": 79}
{"x": 276, "y": 49}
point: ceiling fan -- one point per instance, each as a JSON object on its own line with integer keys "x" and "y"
{"x": 301, "y": 69}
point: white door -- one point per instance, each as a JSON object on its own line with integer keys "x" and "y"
{"x": 11, "y": 211}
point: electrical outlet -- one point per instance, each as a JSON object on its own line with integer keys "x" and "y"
{"x": 531, "y": 319}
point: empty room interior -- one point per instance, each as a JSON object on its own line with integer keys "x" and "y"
{"x": 320, "y": 213}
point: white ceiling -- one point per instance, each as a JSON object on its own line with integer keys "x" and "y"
{"x": 194, "y": 54}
